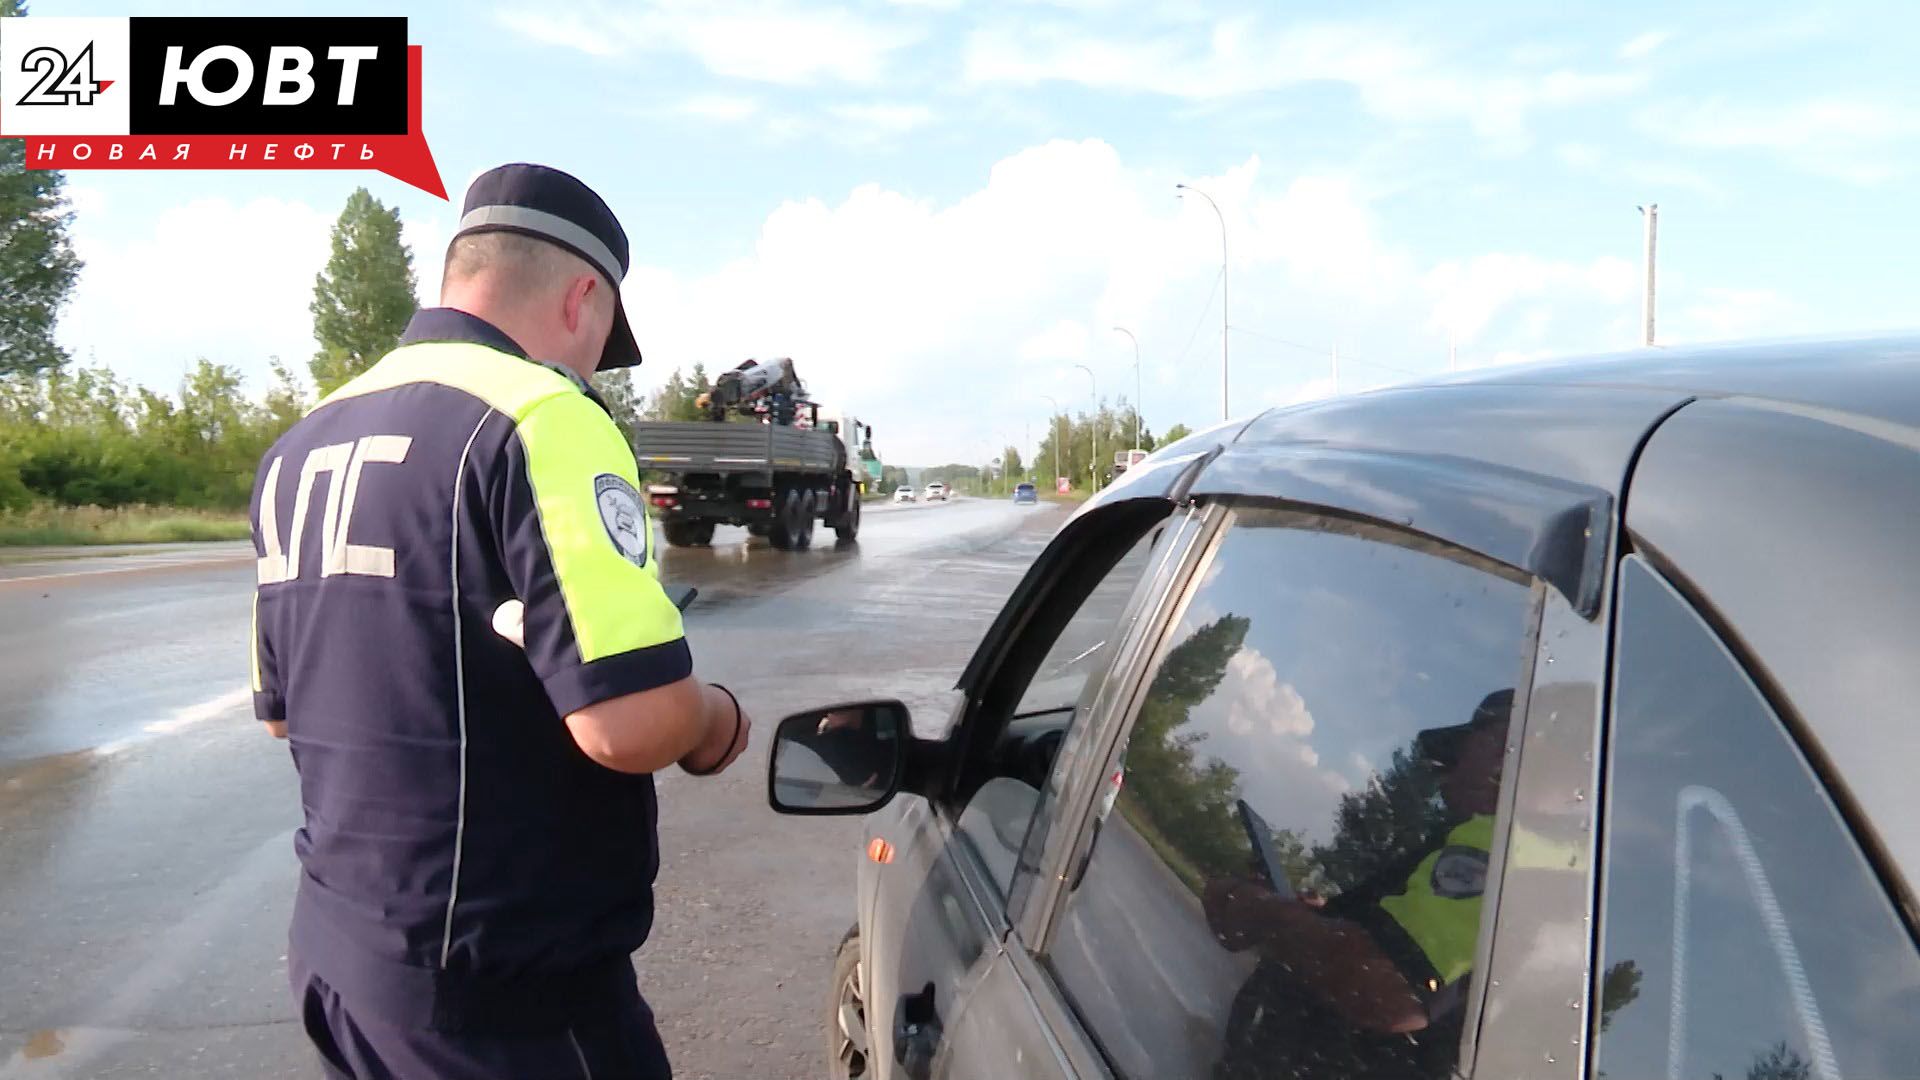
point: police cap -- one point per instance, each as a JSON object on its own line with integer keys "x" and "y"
{"x": 1444, "y": 745}
{"x": 534, "y": 200}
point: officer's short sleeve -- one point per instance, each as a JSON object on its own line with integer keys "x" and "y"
{"x": 269, "y": 701}
{"x": 577, "y": 547}
{"x": 269, "y": 698}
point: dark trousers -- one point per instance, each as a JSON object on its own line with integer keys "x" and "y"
{"x": 354, "y": 1046}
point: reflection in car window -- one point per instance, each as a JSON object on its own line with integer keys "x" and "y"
{"x": 1292, "y": 883}
{"x": 1745, "y": 935}
{"x": 997, "y": 818}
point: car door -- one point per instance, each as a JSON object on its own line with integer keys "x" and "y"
{"x": 1294, "y": 866}
{"x": 940, "y": 911}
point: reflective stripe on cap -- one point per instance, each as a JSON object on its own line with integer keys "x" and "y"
{"x": 552, "y": 226}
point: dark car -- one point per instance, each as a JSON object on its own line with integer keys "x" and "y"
{"x": 1559, "y": 722}
{"x": 1026, "y": 493}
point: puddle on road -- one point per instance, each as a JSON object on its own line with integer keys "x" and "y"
{"x": 42, "y": 1044}
{"x": 20, "y": 782}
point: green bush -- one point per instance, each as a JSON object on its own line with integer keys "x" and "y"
{"x": 82, "y": 437}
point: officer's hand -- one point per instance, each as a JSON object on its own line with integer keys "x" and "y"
{"x": 725, "y": 741}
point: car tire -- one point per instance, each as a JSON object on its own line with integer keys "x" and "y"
{"x": 848, "y": 1041}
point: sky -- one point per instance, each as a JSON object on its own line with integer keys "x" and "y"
{"x": 938, "y": 209}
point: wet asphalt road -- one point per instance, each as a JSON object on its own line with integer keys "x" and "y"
{"x": 146, "y": 863}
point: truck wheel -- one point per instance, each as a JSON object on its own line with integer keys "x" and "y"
{"x": 802, "y": 520}
{"x": 848, "y": 526}
{"x": 784, "y": 533}
{"x": 687, "y": 533}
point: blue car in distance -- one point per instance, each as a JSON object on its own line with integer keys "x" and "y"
{"x": 1025, "y": 493}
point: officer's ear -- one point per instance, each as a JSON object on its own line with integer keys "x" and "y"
{"x": 578, "y": 302}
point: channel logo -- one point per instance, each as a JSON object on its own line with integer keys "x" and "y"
{"x": 216, "y": 93}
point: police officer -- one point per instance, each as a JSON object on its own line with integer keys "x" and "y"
{"x": 460, "y": 629}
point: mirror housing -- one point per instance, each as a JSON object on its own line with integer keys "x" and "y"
{"x": 841, "y": 760}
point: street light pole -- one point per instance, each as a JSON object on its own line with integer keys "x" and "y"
{"x": 1136, "y": 385}
{"x": 1053, "y": 432}
{"x": 1096, "y": 424}
{"x": 1225, "y": 412}
{"x": 1651, "y": 212}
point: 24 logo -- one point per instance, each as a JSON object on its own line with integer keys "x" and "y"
{"x": 61, "y": 82}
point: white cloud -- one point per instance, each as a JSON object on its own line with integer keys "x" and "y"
{"x": 1722, "y": 314}
{"x": 723, "y": 108}
{"x": 760, "y": 40}
{"x": 1864, "y": 142}
{"x": 1470, "y": 293}
{"x": 1644, "y": 44}
{"x": 1065, "y": 341}
{"x": 246, "y": 268}
{"x": 874, "y": 121}
{"x": 1395, "y": 77}
{"x": 428, "y": 241}
{"x": 228, "y": 281}
{"x": 1263, "y": 705}
{"x": 985, "y": 302}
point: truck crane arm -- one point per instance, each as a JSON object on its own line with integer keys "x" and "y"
{"x": 751, "y": 382}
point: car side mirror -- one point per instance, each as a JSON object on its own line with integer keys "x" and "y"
{"x": 848, "y": 759}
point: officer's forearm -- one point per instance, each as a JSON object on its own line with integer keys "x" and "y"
{"x": 650, "y": 730}
{"x": 1342, "y": 963}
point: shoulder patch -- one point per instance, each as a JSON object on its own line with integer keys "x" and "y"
{"x": 621, "y": 513}
{"x": 1460, "y": 873}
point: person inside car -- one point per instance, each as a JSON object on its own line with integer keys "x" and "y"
{"x": 1371, "y": 982}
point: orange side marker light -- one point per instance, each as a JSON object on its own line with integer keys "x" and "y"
{"x": 880, "y": 851}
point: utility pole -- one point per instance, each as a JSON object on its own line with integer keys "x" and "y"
{"x": 1225, "y": 412}
{"x": 1053, "y": 432}
{"x": 1095, "y": 424}
{"x": 1651, "y": 212}
{"x": 1336, "y": 369}
{"x": 1136, "y": 385}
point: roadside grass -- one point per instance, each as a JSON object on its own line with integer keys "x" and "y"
{"x": 58, "y": 526}
{"x": 1072, "y": 498}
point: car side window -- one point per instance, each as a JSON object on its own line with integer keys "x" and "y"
{"x": 1744, "y": 933}
{"x": 1287, "y": 879}
{"x": 1083, "y": 646}
{"x": 998, "y": 814}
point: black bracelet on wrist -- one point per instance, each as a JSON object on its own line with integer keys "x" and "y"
{"x": 737, "y": 725}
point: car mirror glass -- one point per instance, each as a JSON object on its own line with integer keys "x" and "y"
{"x": 847, "y": 759}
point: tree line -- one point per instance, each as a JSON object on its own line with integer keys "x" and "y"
{"x": 1068, "y": 447}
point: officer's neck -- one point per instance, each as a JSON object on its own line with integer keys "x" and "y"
{"x": 538, "y": 335}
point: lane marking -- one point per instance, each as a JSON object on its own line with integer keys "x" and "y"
{"x": 181, "y": 719}
{"x": 218, "y": 560}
